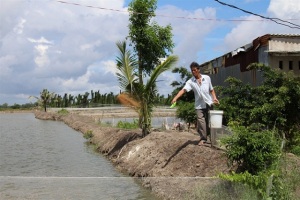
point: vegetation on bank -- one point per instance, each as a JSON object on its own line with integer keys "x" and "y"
{"x": 128, "y": 125}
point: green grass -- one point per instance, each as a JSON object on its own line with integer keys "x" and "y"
{"x": 89, "y": 134}
{"x": 63, "y": 112}
{"x": 223, "y": 190}
{"x": 128, "y": 125}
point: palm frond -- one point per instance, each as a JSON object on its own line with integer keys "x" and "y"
{"x": 166, "y": 65}
{"x": 129, "y": 101}
{"x": 126, "y": 63}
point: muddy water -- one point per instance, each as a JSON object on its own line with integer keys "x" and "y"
{"x": 49, "y": 160}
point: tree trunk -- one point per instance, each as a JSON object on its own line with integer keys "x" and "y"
{"x": 140, "y": 69}
{"x": 146, "y": 120}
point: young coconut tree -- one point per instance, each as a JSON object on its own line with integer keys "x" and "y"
{"x": 136, "y": 95}
{"x": 44, "y": 99}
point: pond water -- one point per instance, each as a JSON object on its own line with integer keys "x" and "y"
{"x": 49, "y": 160}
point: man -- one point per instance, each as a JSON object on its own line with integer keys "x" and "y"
{"x": 205, "y": 97}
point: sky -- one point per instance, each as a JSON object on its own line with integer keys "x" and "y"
{"x": 69, "y": 46}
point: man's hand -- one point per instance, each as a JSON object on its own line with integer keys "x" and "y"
{"x": 216, "y": 101}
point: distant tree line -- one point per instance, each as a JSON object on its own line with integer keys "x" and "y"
{"x": 88, "y": 99}
{"x": 5, "y": 106}
{"x": 94, "y": 99}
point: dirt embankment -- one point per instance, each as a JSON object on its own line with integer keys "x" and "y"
{"x": 171, "y": 163}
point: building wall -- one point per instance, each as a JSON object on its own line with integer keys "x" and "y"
{"x": 287, "y": 51}
{"x": 263, "y": 56}
{"x": 284, "y": 44}
{"x": 275, "y": 60}
{"x": 267, "y": 49}
{"x": 252, "y": 77}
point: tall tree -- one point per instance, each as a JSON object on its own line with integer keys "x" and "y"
{"x": 149, "y": 40}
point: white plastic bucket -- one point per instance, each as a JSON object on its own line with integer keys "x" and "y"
{"x": 215, "y": 118}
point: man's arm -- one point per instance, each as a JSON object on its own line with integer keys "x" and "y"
{"x": 179, "y": 94}
{"x": 214, "y": 96}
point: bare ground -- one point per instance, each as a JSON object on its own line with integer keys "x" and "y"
{"x": 170, "y": 163}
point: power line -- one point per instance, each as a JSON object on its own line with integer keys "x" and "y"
{"x": 276, "y": 20}
{"x": 77, "y": 4}
{"x": 188, "y": 18}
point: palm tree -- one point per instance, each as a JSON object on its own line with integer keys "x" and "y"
{"x": 45, "y": 97}
{"x": 139, "y": 96}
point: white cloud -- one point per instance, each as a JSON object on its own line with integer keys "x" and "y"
{"x": 188, "y": 34}
{"x": 19, "y": 27}
{"x": 110, "y": 67}
{"x": 42, "y": 40}
{"x": 42, "y": 59}
{"x": 285, "y": 9}
{"x": 10, "y": 15}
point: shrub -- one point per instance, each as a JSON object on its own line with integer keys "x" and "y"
{"x": 63, "y": 112}
{"x": 186, "y": 112}
{"x": 257, "y": 155}
{"x": 274, "y": 103}
{"x": 128, "y": 125}
{"x": 89, "y": 134}
{"x": 296, "y": 150}
{"x": 253, "y": 151}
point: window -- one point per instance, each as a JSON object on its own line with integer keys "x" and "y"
{"x": 281, "y": 64}
{"x": 290, "y": 65}
{"x": 216, "y": 70}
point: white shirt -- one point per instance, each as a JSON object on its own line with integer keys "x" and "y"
{"x": 201, "y": 91}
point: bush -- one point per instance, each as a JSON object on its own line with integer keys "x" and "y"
{"x": 274, "y": 103}
{"x": 89, "y": 134}
{"x": 186, "y": 112}
{"x": 63, "y": 112}
{"x": 257, "y": 155}
{"x": 296, "y": 150}
{"x": 253, "y": 151}
{"x": 128, "y": 125}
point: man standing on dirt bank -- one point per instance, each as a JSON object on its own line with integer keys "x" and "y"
{"x": 205, "y": 97}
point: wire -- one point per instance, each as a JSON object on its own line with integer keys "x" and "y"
{"x": 77, "y": 4}
{"x": 276, "y": 20}
{"x": 181, "y": 17}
